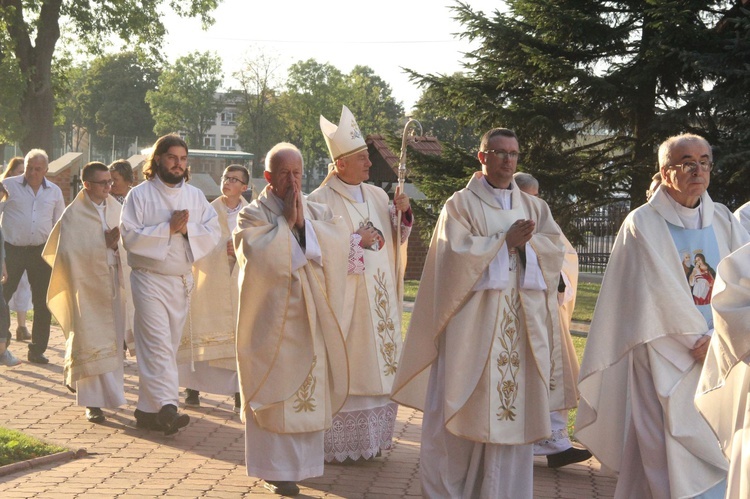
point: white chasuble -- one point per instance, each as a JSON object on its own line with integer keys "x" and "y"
{"x": 723, "y": 394}
{"x": 85, "y": 288}
{"x": 291, "y": 354}
{"x": 511, "y": 378}
{"x": 564, "y": 367}
{"x": 380, "y": 295}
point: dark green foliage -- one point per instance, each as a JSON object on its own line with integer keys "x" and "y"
{"x": 591, "y": 88}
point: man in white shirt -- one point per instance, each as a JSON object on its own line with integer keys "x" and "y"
{"x": 166, "y": 225}
{"x": 32, "y": 208}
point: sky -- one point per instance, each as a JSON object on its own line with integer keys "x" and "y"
{"x": 385, "y": 35}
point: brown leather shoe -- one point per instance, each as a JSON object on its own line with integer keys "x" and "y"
{"x": 22, "y": 334}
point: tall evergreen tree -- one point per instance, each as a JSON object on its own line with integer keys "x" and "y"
{"x": 590, "y": 86}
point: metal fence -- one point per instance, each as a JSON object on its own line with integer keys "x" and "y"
{"x": 598, "y": 230}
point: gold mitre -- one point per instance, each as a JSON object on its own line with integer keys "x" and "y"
{"x": 344, "y": 139}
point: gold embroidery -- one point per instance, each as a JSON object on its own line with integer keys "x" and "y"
{"x": 305, "y": 402}
{"x": 509, "y": 361}
{"x": 386, "y": 328}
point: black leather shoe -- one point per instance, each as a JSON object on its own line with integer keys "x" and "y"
{"x": 192, "y": 398}
{"x": 22, "y": 334}
{"x": 146, "y": 421}
{"x": 37, "y": 358}
{"x": 282, "y": 488}
{"x": 170, "y": 420}
{"x": 568, "y": 456}
{"x": 95, "y": 415}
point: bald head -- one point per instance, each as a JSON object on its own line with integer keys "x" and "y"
{"x": 283, "y": 168}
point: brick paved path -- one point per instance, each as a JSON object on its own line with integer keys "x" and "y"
{"x": 207, "y": 458}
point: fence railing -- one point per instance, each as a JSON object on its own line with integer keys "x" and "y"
{"x": 599, "y": 230}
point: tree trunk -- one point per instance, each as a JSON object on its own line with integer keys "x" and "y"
{"x": 38, "y": 114}
{"x": 35, "y": 62}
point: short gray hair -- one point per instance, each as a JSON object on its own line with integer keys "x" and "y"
{"x": 665, "y": 149}
{"x": 35, "y": 153}
{"x": 525, "y": 180}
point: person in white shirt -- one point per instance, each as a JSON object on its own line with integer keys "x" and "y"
{"x": 166, "y": 226}
{"x": 31, "y": 209}
{"x": 21, "y": 301}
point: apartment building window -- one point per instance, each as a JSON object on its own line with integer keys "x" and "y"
{"x": 228, "y": 118}
{"x": 209, "y": 141}
{"x": 228, "y": 142}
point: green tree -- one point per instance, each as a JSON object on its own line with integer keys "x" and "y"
{"x": 591, "y": 88}
{"x": 259, "y": 121}
{"x": 31, "y": 30}
{"x": 312, "y": 89}
{"x": 186, "y": 98}
{"x": 11, "y": 128}
{"x": 372, "y": 103}
{"x": 723, "y": 109}
{"x": 113, "y": 99}
{"x": 69, "y": 116}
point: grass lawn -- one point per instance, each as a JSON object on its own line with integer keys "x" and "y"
{"x": 15, "y": 447}
{"x": 586, "y": 300}
{"x": 410, "y": 289}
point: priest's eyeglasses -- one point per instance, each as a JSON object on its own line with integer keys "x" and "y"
{"x": 103, "y": 183}
{"x": 503, "y": 155}
{"x": 231, "y": 180}
{"x": 691, "y": 166}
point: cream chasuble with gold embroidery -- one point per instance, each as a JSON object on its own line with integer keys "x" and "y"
{"x": 496, "y": 340}
{"x": 372, "y": 311}
{"x": 82, "y": 287}
{"x": 209, "y": 329}
{"x": 290, "y": 349}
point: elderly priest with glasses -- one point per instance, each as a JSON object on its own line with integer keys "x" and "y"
{"x": 650, "y": 334}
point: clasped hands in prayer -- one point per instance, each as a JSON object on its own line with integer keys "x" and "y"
{"x": 112, "y": 237}
{"x": 178, "y": 222}
{"x": 519, "y": 234}
{"x": 293, "y": 210}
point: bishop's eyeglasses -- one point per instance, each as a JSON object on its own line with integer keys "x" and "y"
{"x": 691, "y": 166}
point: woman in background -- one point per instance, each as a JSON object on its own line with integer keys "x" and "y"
{"x": 21, "y": 301}
{"x": 122, "y": 176}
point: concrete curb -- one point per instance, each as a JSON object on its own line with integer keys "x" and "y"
{"x": 9, "y": 469}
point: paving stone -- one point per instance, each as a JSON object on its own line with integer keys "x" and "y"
{"x": 206, "y": 459}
